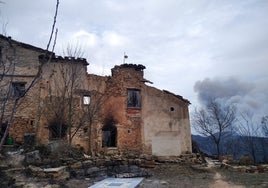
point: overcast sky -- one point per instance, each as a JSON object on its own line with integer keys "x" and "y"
{"x": 193, "y": 48}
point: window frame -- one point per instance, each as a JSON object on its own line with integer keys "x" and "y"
{"x": 57, "y": 131}
{"x": 86, "y": 97}
{"x": 134, "y": 98}
{"x": 18, "y": 89}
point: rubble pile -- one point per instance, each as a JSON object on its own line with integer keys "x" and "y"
{"x": 57, "y": 167}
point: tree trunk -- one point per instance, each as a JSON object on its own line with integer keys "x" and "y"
{"x": 218, "y": 150}
{"x": 10, "y": 120}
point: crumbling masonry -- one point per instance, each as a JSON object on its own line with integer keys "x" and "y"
{"x": 102, "y": 114}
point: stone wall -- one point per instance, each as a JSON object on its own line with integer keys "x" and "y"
{"x": 20, "y": 62}
{"x": 127, "y": 121}
{"x": 165, "y": 123}
{"x": 159, "y": 125}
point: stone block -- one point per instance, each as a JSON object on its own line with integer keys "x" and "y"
{"x": 33, "y": 157}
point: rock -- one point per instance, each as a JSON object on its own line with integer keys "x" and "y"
{"x": 17, "y": 152}
{"x": 226, "y": 158}
{"x": 163, "y": 182}
{"x": 95, "y": 172}
{"x": 3, "y": 167}
{"x": 52, "y": 186}
{"x": 137, "y": 162}
{"x": 100, "y": 162}
{"x": 131, "y": 156}
{"x": 76, "y": 165}
{"x": 87, "y": 163}
{"x": 87, "y": 156}
{"x": 260, "y": 169}
{"x": 33, "y": 157}
{"x": 36, "y": 171}
{"x": 246, "y": 160}
{"x": 265, "y": 167}
{"x": 92, "y": 170}
{"x": 125, "y": 175}
{"x": 146, "y": 157}
{"x": 15, "y": 159}
{"x": 81, "y": 164}
{"x": 58, "y": 173}
{"x": 148, "y": 164}
{"x": 30, "y": 185}
{"x": 124, "y": 162}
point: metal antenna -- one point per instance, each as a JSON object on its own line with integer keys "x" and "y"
{"x": 125, "y": 57}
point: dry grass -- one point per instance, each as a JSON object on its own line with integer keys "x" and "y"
{"x": 186, "y": 176}
{"x": 248, "y": 180}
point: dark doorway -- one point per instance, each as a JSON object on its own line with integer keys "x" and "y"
{"x": 109, "y": 135}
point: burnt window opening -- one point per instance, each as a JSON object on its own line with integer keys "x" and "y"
{"x": 3, "y": 127}
{"x": 57, "y": 130}
{"x": 85, "y": 129}
{"x": 172, "y": 109}
{"x": 133, "y": 98}
{"x": 18, "y": 89}
{"x": 109, "y": 135}
{"x": 31, "y": 122}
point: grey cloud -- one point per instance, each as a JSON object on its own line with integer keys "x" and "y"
{"x": 217, "y": 88}
{"x": 179, "y": 41}
{"x": 246, "y": 96}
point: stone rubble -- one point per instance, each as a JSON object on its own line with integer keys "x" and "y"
{"x": 102, "y": 166}
{"x": 94, "y": 168}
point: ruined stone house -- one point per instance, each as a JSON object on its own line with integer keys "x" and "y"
{"x": 117, "y": 113}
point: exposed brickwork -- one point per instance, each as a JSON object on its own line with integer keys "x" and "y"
{"x": 161, "y": 117}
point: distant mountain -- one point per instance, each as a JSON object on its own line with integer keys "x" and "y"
{"x": 235, "y": 145}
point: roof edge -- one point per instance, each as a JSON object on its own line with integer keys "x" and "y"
{"x": 178, "y": 96}
{"x": 27, "y": 46}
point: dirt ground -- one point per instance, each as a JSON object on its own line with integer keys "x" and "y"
{"x": 187, "y": 176}
{"x": 165, "y": 176}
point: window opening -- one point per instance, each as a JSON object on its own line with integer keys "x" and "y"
{"x": 31, "y": 122}
{"x": 18, "y": 89}
{"x": 133, "y": 98}
{"x": 85, "y": 129}
{"x": 86, "y": 99}
{"x": 57, "y": 130}
{"x": 3, "y": 129}
{"x": 109, "y": 134}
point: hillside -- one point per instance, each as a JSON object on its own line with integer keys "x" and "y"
{"x": 235, "y": 145}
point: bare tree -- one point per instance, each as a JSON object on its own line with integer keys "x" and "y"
{"x": 74, "y": 50}
{"x": 214, "y": 121}
{"x": 73, "y": 83}
{"x": 63, "y": 106}
{"x": 64, "y": 109}
{"x": 4, "y": 23}
{"x": 60, "y": 102}
{"x": 264, "y": 123}
{"x": 9, "y": 101}
{"x": 249, "y": 132}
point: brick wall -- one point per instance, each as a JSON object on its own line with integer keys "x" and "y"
{"x": 162, "y": 115}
